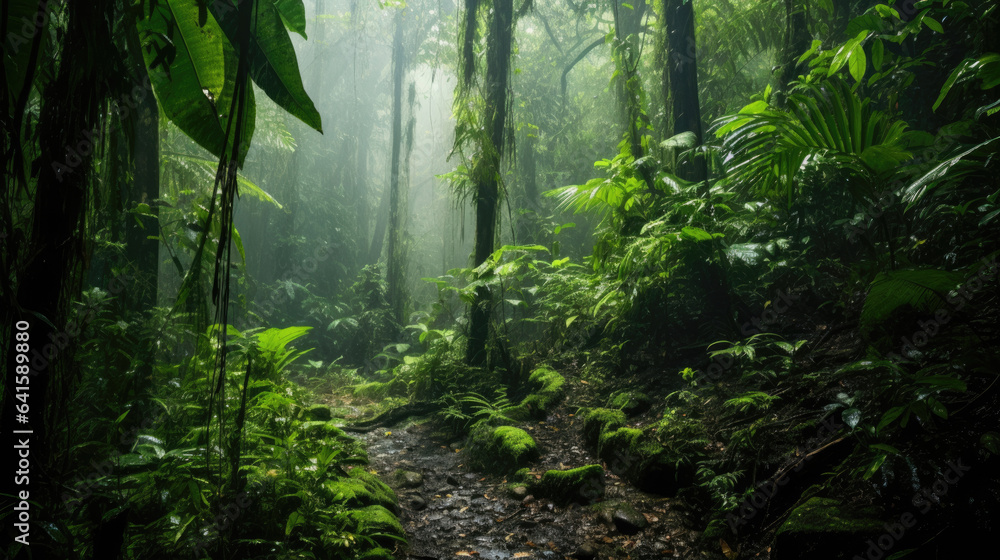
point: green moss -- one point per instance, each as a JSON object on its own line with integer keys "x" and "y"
{"x": 826, "y": 515}
{"x": 583, "y": 484}
{"x": 522, "y": 475}
{"x": 514, "y": 442}
{"x": 353, "y": 493}
{"x": 622, "y": 439}
{"x": 380, "y": 491}
{"x": 596, "y": 421}
{"x": 373, "y": 521}
{"x": 375, "y": 390}
{"x": 548, "y": 393}
{"x": 501, "y": 449}
{"x": 316, "y": 412}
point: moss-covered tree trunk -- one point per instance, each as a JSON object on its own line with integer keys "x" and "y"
{"x": 628, "y": 24}
{"x": 487, "y": 175}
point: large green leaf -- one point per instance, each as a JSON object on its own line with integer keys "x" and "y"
{"x": 192, "y": 69}
{"x": 273, "y": 65}
{"x": 926, "y": 290}
{"x": 293, "y": 14}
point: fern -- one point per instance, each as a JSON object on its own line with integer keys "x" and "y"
{"x": 753, "y": 400}
{"x": 925, "y": 290}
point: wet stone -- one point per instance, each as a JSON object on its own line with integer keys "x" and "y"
{"x": 586, "y": 551}
{"x": 452, "y": 480}
{"x": 519, "y": 492}
{"x": 409, "y": 479}
{"x": 416, "y": 502}
{"x": 629, "y": 521}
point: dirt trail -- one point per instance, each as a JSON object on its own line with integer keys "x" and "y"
{"x": 455, "y": 512}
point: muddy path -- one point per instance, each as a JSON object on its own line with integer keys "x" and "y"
{"x": 452, "y": 511}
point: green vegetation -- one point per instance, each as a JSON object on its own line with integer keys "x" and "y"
{"x": 583, "y": 484}
{"x": 746, "y": 250}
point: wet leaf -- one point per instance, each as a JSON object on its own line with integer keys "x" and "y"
{"x": 726, "y": 550}
{"x": 522, "y": 554}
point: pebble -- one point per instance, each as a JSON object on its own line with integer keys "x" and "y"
{"x": 416, "y": 502}
{"x": 629, "y": 521}
{"x": 586, "y": 551}
{"x": 410, "y": 479}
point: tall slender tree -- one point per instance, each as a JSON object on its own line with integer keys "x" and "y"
{"x": 680, "y": 80}
{"x": 486, "y": 175}
{"x": 394, "y": 273}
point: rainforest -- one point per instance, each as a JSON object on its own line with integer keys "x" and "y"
{"x": 503, "y": 279}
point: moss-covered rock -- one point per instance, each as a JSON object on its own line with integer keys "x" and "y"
{"x": 548, "y": 392}
{"x": 316, "y": 412}
{"x": 375, "y": 390}
{"x": 354, "y": 493}
{"x": 637, "y": 456}
{"x": 501, "y": 449}
{"x": 583, "y": 485}
{"x": 377, "y": 523}
{"x": 596, "y": 421}
{"x": 819, "y": 528}
{"x": 408, "y": 479}
{"x": 630, "y": 402}
{"x": 380, "y": 492}
{"x": 628, "y": 520}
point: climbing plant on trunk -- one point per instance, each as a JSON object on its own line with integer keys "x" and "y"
{"x": 486, "y": 171}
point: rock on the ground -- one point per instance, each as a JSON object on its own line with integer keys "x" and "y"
{"x": 519, "y": 492}
{"x": 416, "y": 502}
{"x": 409, "y": 479}
{"x": 586, "y": 551}
{"x": 628, "y": 520}
{"x": 583, "y": 485}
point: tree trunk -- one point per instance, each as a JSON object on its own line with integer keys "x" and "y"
{"x": 628, "y": 23}
{"x": 680, "y": 81}
{"x": 142, "y": 251}
{"x": 796, "y": 43}
{"x": 70, "y": 132}
{"x": 394, "y": 274}
{"x": 498, "y": 48}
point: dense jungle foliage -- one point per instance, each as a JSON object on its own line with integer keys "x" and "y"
{"x": 733, "y": 262}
